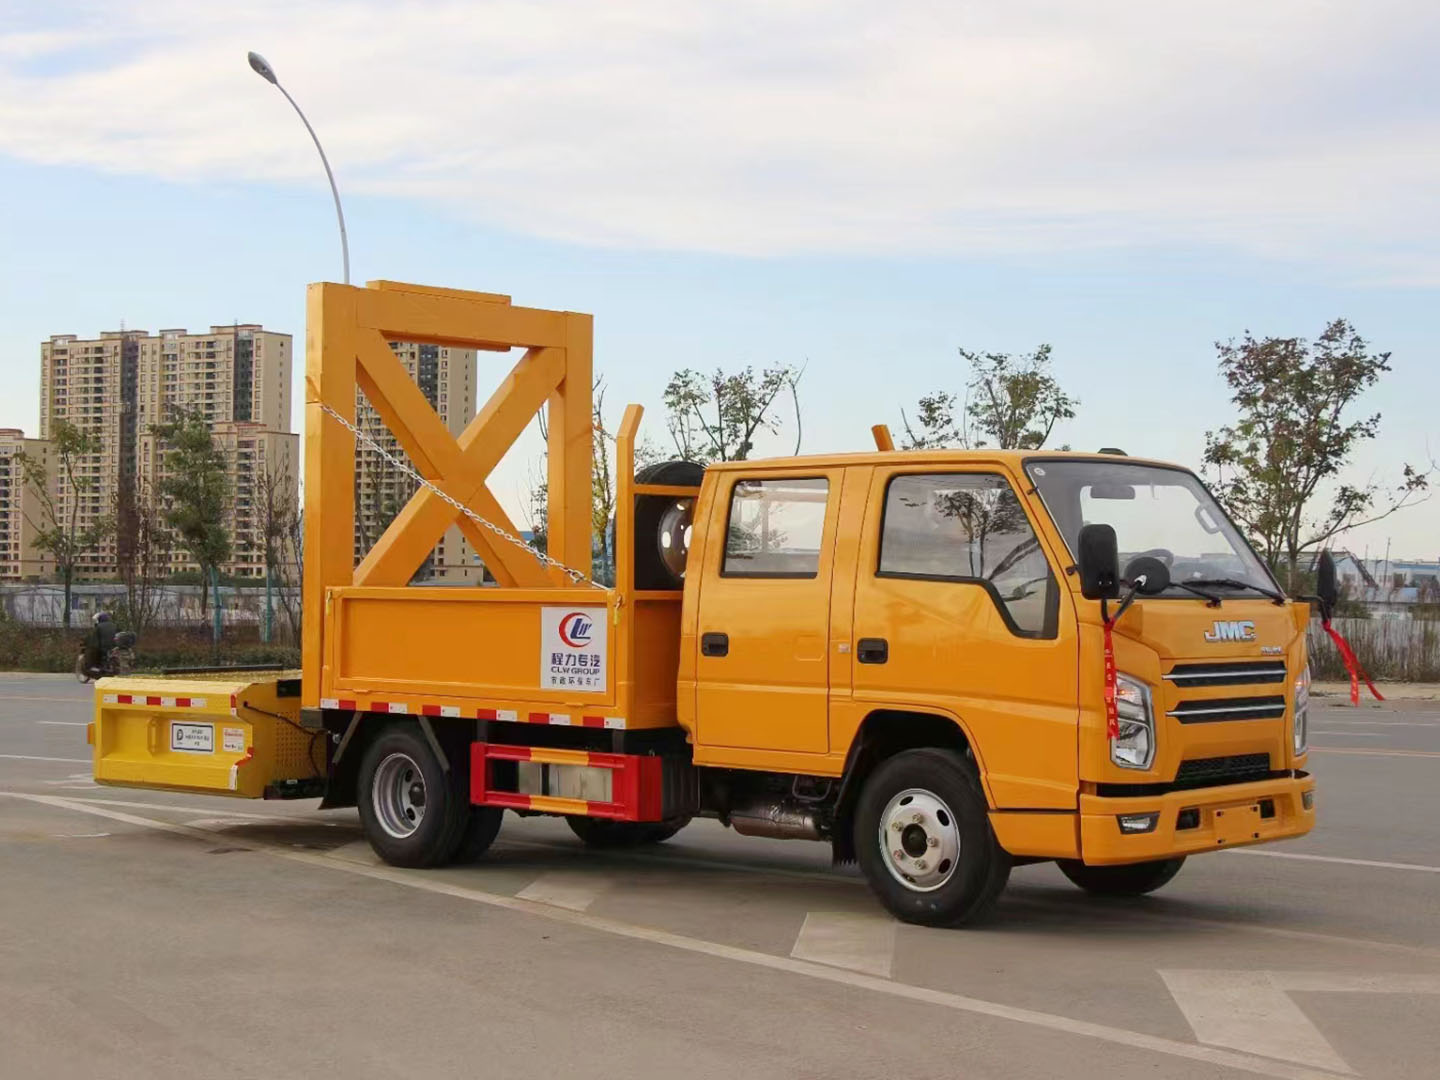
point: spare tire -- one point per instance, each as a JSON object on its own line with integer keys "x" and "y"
{"x": 662, "y": 525}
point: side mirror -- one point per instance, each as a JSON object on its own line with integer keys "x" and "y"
{"x": 1099, "y": 563}
{"x": 1326, "y": 587}
{"x": 1149, "y": 575}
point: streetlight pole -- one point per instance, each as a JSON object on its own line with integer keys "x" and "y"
{"x": 262, "y": 68}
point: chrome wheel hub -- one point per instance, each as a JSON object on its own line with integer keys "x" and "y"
{"x": 398, "y": 795}
{"x": 919, "y": 840}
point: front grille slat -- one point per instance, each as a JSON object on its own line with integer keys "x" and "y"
{"x": 1234, "y": 673}
{"x": 1235, "y": 769}
{"x": 1222, "y": 710}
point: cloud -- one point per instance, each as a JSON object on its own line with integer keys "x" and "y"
{"x": 1297, "y": 129}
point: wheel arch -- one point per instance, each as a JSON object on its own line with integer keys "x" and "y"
{"x": 347, "y": 748}
{"x": 882, "y": 734}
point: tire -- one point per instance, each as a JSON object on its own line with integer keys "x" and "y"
{"x": 602, "y": 833}
{"x": 650, "y": 569}
{"x": 408, "y": 826}
{"x": 937, "y": 785}
{"x": 1132, "y": 879}
{"x": 480, "y": 832}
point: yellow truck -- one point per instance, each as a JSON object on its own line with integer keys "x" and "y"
{"x": 943, "y": 663}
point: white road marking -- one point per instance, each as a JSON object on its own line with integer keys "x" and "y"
{"x": 565, "y": 889}
{"x": 857, "y": 941}
{"x": 81, "y": 835}
{"x": 1337, "y": 859}
{"x": 1247, "y": 1011}
{"x": 820, "y": 972}
{"x": 357, "y": 851}
{"x": 64, "y": 723}
{"x": 1252, "y": 1010}
{"x": 33, "y": 757}
{"x": 1353, "y": 734}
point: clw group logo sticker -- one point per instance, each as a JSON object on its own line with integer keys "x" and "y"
{"x": 574, "y": 649}
{"x": 576, "y": 629}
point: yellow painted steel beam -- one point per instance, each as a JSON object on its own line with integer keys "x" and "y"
{"x": 484, "y": 442}
{"x": 572, "y": 445}
{"x": 329, "y": 464}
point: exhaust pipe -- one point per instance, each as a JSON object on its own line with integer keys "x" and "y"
{"x": 779, "y": 821}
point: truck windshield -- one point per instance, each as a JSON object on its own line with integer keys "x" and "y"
{"x": 1165, "y": 513}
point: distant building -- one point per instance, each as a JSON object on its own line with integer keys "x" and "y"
{"x": 1388, "y": 587}
{"x": 446, "y": 377}
{"x": 22, "y": 513}
{"x": 118, "y": 385}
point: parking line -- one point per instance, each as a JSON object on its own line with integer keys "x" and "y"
{"x": 35, "y": 757}
{"x": 64, "y": 723}
{"x": 565, "y": 889}
{"x": 856, "y": 940}
{"x": 819, "y": 972}
{"x": 1337, "y": 859}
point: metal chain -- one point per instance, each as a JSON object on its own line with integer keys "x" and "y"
{"x": 541, "y": 557}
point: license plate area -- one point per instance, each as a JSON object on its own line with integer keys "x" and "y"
{"x": 1236, "y": 824}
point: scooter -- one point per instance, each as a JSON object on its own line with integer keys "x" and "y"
{"x": 119, "y": 661}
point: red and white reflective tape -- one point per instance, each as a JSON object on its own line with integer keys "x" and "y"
{"x": 152, "y": 699}
{"x": 400, "y": 708}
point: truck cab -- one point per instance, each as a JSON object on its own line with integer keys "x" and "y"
{"x": 842, "y": 610}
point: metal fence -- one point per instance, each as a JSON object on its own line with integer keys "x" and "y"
{"x": 1405, "y": 650}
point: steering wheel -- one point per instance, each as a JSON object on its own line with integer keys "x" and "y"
{"x": 1165, "y": 555}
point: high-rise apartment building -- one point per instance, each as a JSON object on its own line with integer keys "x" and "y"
{"x": 446, "y": 377}
{"x": 118, "y": 385}
{"x": 22, "y": 510}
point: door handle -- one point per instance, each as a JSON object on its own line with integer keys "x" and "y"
{"x": 714, "y": 644}
{"x": 872, "y": 650}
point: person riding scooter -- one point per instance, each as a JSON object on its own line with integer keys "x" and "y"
{"x": 99, "y": 642}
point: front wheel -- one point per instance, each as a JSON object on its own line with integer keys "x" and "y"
{"x": 924, "y": 842}
{"x": 413, "y": 811}
{"x": 1132, "y": 879}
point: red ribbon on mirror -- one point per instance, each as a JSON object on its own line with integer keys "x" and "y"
{"x": 1352, "y": 665}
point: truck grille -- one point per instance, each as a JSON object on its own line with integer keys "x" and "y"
{"x": 1234, "y": 673}
{"x": 1237, "y": 769}
{"x": 1220, "y": 710}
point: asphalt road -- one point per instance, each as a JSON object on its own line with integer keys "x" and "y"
{"x": 153, "y": 935}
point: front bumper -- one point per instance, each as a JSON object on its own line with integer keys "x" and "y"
{"x": 1227, "y": 816}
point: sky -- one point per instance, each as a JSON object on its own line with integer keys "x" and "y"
{"x": 858, "y": 188}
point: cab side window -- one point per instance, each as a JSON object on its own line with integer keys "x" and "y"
{"x": 970, "y": 528}
{"x": 775, "y": 528}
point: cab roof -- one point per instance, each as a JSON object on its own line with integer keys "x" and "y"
{"x": 1012, "y": 460}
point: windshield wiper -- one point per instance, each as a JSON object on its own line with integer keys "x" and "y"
{"x": 1235, "y": 583}
{"x": 1210, "y": 598}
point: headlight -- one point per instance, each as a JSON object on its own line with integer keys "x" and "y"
{"x": 1134, "y": 747}
{"x": 1302, "y": 711}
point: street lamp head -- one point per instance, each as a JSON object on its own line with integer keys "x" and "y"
{"x": 263, "y": 69}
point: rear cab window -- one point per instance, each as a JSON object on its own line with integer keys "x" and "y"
{"x": 970, "y": 528}
{"x": 775, "y": 528}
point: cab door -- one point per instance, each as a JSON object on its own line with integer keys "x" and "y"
{"x": 959, "y": 612}
{"x": 762, "y": 671}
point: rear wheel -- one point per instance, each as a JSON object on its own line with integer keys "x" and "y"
{"x": 924, "y": 842}
{"x": 601, "y": 833}
{"x": 1133, "y": 879}
{"x": 413, "y": 811}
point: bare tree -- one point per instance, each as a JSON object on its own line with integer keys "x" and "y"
{"x": 59, "y": 530}
{"x": 143, "y": 549}
{"x": 280, "y": 531}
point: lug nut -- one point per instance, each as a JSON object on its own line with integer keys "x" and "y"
{"x": 896, "y": 826}
{"x": 917, "y": 817}
{"x": 919, "y": 864}
{"x": 932, "y": 842}
{"x": 898, "y": 853}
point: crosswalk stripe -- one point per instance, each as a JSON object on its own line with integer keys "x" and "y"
{"x": 857, "y": 941}
{"x": 559, "y": 888}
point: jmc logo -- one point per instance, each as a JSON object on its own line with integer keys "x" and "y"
{"x": 1231, "y": 630}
